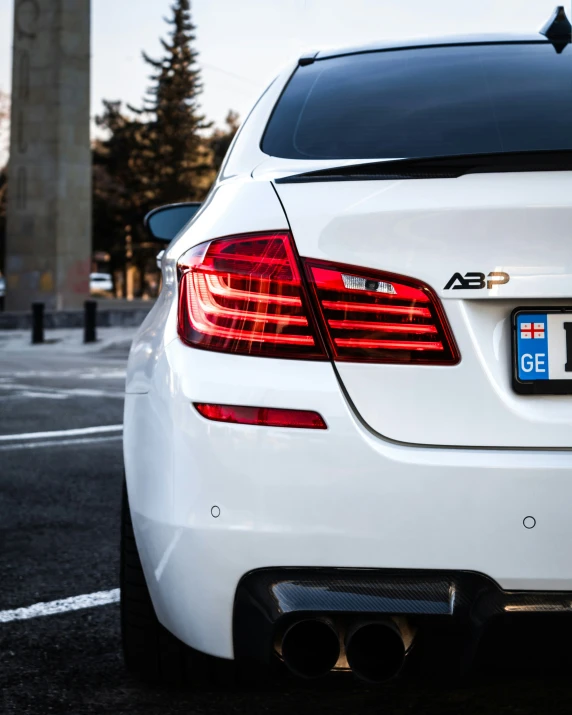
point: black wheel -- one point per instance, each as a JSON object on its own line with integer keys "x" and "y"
{"x": 150, "y": 651}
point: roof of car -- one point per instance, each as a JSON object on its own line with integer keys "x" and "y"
{"x": 447, "y": 41}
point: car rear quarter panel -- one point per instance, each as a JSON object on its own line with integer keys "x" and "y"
{"x": 240, "y": 206}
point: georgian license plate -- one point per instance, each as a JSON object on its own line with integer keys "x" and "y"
{"x": 542, "y": 351}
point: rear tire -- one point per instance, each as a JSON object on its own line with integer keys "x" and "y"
{"x": 150, "y": 651}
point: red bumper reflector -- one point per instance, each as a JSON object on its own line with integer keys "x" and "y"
{"x": 264, "y": 416}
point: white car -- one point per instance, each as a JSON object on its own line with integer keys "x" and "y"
{"x": 348, "y": 415}
{"x": 100, "y": 282}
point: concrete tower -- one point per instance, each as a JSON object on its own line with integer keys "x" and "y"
{"x": 48, "y": 241}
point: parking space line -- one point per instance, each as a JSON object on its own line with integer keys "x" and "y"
{"x": 35, "y": 396}
{"x": 59, "y": 443}
{"x": 62, "y": 605}
{"x": 78, "y": 432}
{"x": 58, "y": 393}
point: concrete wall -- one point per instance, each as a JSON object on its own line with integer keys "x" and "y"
{"x": 48, "y": 243}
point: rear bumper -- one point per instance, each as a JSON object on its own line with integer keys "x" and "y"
{"x": 339, "y": 498}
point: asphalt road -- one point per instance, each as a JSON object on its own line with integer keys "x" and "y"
{"x": 59, "y": 532}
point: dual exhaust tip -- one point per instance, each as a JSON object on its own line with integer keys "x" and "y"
{"x": 375, "y": 650}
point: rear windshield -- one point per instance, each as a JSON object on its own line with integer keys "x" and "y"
{"x": 424, "y": 102}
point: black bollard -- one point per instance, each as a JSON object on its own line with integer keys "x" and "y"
{"x": 90, "y": 313}
{"x": 37, "y": 323}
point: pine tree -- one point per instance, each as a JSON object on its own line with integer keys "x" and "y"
{"x": 176, "y": 157}
{"x": 115, "y": 199}
{"x": 121, "y": 192}
{"x": 161, "y": 155}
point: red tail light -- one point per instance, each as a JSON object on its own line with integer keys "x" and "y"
{"x": 380, "y": 317}
{"x": 244, "y": 295}
{"x": 267, "y": 416}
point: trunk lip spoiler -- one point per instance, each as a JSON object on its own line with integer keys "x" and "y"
{"x": 439, "y": 167}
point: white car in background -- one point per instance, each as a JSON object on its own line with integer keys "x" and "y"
{"x": 100, "y": 283}
{"x": 348, "y": 416}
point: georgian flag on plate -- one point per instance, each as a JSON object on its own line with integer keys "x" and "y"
{"x": 532, "y": 331}
{"x": 542, "y": 350}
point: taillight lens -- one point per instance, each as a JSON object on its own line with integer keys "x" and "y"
{"x": 380, "y": 317}
{"x": 243, "y": 294}
{"x": 262, "y": 416}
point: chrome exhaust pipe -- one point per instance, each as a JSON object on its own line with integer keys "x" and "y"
{"x": 375, "y": 650}
{"x": 311, "y": 647}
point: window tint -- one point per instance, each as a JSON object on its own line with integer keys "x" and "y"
{"x": 426, "y": 102}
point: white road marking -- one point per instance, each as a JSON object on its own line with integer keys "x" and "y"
{"x": 78, "y": 432}
{"x": 58, "y": 393}
{"x": 115, "y": 375}
{"x": 20, "y": 386}
{"x": 43, "y": 395}
{"x": 81, "y": 373}
{"x": 59, "y": 443}
{"x": 50, "y": 608}
{"x": 84, "y": 392}
{"x": 35, "y": 396}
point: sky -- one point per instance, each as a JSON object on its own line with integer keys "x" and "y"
{"x": 243, "y": 43}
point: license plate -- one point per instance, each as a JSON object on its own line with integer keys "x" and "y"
{"x": 542, "y": 351}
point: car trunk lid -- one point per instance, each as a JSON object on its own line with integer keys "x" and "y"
{"x": 460, "y": 236}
